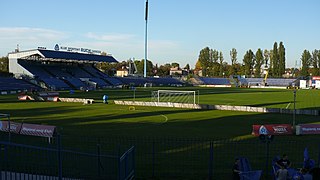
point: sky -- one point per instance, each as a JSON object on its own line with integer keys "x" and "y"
{"x": 177, "y": 29}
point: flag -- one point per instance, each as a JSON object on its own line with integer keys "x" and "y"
{"x": 146, "y": 17}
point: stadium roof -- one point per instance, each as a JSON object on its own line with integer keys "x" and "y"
{"x": 63, "y": 56}
{"x": 76, "y": 56}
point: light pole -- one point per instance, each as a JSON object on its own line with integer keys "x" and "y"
{"x": 294, "y": 108}
{"x": 146, "y": 43}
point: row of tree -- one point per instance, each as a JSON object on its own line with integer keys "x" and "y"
{"x": 212, "y": 63}
{"x": 152, "y": 70}
{"x": 310, "y": 63}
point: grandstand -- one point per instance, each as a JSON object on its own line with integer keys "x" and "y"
{"x": 138, "y": 81}
{"x": 273, "y": 82}
{"x": 65, "y": 70}
{"x": 241, "y": 81}
{"x": 211, "y": 82}
{"x": 61, "y": 70}
{"x": 8, "y": 84}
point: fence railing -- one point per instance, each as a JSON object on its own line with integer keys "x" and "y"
{"x": 29, "y": 161}
{"x": 165, "y": 158}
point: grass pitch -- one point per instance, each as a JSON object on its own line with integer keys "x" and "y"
{"x": 184, "y": 134}
{"x": 102, "y": 120}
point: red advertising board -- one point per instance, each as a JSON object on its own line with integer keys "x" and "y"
{"x": 309, "y": 128}
{"x": 37, "y": 130}
{"x": 14, "y": 127}
{"x": 316, "y": 78}
{"x": 272, "y": 129}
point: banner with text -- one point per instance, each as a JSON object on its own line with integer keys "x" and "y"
{"x": 308, "y": 129}
{"x": 37, "y": 130}
{"x": 14, "y": 127}
{"x": 272, "y": 129}
{"x": 28, "y": 129}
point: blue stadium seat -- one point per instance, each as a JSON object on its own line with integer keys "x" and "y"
{"x": 55, "y": 83}
{"x": 215, "y": 81}
{"x": 9, "y": 83}
{"x": 246, "y": 172}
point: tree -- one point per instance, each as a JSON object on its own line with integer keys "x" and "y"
{"x": 221, "y": 69}
{"x": 275, "y": 60}
{"x": 315, "y": 61}
{"x": 305, "y": 60}
{"x": 140, "y": 67}
{"x": 282, "y": 59}
{"x": 248, "y": 62}
{"x": 198, "y": 65}
{"x": 164, "y": 70}
{"x": 4, "y": 61}
{"x": 174, "y": 64}
{"x": 258, "y": 64}
{"x": 187, "y": 67}
{"x": 215, "y": 66}
{"x": 204, "y": 58}
{"x": 270, "y": 69}
{"x": 233, "y": 56}
{"x": 210, "y": 70}
{"x": 318, "y": 57}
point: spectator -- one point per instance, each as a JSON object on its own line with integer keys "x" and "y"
{"x": 283, "y": 162}
{"x": 282, "y": 174}
{"x": 306, "y": 175}
{"x": 298, "y": 175}
{"x": 236, "y": 170}
{"x": 308, "y": 164}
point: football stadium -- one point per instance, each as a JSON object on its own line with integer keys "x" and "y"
{"x": 62, "y": 118}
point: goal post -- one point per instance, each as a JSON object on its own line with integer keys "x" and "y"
{"x": 173, "y": 96}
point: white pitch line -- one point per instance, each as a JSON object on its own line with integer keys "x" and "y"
{"x": 288, "y": 105}
{"x": 165, "y": 118}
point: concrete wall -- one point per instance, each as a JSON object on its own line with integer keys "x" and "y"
{"x": 219, "y": 107}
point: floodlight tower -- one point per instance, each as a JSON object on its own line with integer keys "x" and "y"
{"x": 145, "y": 42}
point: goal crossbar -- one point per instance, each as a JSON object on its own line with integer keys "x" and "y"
{"x": 188, "y": 97}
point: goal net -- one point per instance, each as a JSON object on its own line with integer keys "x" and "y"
{"x": 187, "y": 97}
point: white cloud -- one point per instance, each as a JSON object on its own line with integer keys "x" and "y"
{"x": 110, "y": 37}
{"x": 28, "y": 38}
{"x": 121, "y": 46}
{"x": 25, "y": 33}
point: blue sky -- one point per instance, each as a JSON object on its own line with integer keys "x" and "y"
{"x": 177, "y": 29}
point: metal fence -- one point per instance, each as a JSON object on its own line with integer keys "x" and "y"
{"x": 25, "y": 161}
{"x": 175, "y": 158}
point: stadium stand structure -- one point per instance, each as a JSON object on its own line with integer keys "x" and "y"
{"x": 64, "y": 70}
{"x": 12, "y": 84}
{"x": 61, "y": 70}
{"x": 210, "y": 81}
{"x": 138, "y": 81}
{"x": 277, "y": 82}
{"x": 239, "y": 81}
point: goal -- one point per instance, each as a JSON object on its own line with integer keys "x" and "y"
{"x": 172, "y": 96}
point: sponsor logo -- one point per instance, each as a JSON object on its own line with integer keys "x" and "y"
{"x": 263, "y": 130}
{"x": 56, "y": 47}
{"x": 280, "y": 129}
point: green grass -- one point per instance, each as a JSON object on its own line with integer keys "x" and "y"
{"x": 102, "y": 120}
{"x": 110, "y": 121}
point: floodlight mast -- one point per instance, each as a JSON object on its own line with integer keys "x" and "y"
{"x": 146, "y": 42}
